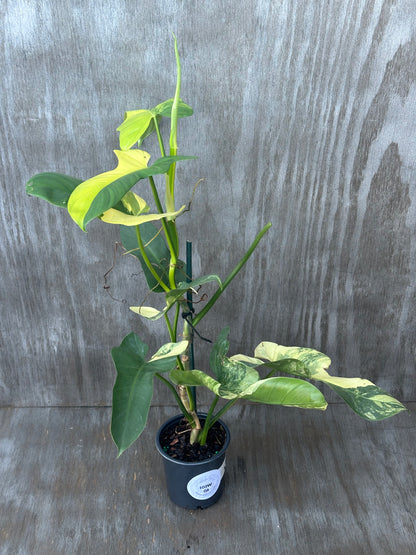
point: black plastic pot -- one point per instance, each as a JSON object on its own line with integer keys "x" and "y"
{"x": 194, "y": 485}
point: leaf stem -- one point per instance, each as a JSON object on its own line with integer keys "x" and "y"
{"x": 231, "y": 276}
{"x": 177, "y": 398}
{"x": 224, "y": 409}
{"x": 159, "y": 136}
{"x": 171, "y": 331}
{"x": 147, "y": 261}
{"x": 208, "y": 422}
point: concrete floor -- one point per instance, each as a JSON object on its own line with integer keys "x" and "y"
{"x": 297, "y": 482}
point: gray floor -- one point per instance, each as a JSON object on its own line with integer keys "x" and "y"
{"x": 297, "y": 482}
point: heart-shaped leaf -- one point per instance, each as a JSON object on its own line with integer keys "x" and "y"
{"x": 133, "y": 389}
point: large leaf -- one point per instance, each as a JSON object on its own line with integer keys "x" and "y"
{"x": 290, "y": 392}
{"x": 133, "y": 390}
{"x": 138, "y": 124}
{"x": 173, "y": 296}
{"x": 157, "y": 253}
{"x": 365, "y": 398}
{"x": 102, "y": 192}
{"x": 273, "y": 391}
{"x": 55, "y": 188}
{"x": 235, "y": 379}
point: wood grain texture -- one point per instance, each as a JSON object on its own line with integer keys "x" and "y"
{"x": 297, "y": 482}
{"x": 304, "y": 116}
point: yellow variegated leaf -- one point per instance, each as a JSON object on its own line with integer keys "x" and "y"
{"x": 134, "y": 204}
{"x": 96, "y": 190}
{"x": 148, "y": 312}
{"x": 365, "y": 398}
{"x": 113, "y": 216}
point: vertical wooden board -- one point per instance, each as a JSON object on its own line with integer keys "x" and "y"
{"x": 303, "y": 117}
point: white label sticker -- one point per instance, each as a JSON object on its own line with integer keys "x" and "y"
{"x": 205, "y": 485}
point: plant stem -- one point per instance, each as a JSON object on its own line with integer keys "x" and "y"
{"x": 231, "y": 276}
{"x": 177, "y": 398}
{"x": 147, "y": 261}
{"x": 155, "y": 195}
{"x": 159, "y": 136}
{"x": 224, "y": 409}
{"x": 168, "y": 227}
{"x": 171, "y": 330}
{"x": 163, "y": 221}
{"x": 176, "y": 319}
{"x": 208, "y": 422}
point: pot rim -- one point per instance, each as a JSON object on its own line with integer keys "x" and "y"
{"x": 194, "y": 463}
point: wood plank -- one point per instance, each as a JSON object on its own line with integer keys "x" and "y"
{"x": 304, "y": 116}
{"x": 296, "y": 482}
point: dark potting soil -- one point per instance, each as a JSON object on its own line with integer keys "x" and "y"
{"x": 175, "y": 442}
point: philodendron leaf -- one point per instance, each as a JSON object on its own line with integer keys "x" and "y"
{"x": 365, "y": 398}
{"x": 157, "y": 252}
{"x": 113, "y": 216}
{"x": 219, "y": 351}
{"x": 102, "y": 192}
{"x": 55, "y": 188}
{"x": 195, "y": 378}
{"x": 133, "y": 390}
{"x": 290, "y": 392}
{"x": 134, "y": 126}
{"x": 165, "y": 109}
{"x": 236, "y": 379}
{"x": 173, "y": 296}
{"x": 138, "y": 124}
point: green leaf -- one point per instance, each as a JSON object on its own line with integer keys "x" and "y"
{"x": 165, "y": 109}
{"x": 133, "y": 204}
{"x": 195, "y": 378}
{"x": 369, "y": 401}
{"x": 289, "y": 392}
{"x": 235, "y": 377}
{"x": 173, "y": 296}
{"x": 365, "y": 398}
{"x": 218, "y": 352}
{"x": 134, "y": 126}
{"x": 102, "y": 192}
{"x": 157, "y": 252}
{"x": 133, "y": 390}
{"x": 138, "y": 124}
{"x": 55, "y": 188}
{"x": 312, "y": 362}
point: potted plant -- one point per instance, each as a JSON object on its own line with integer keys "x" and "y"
{"x": 275, "y": 375}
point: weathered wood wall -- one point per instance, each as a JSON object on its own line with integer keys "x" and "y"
{"x": 304, "y": 116}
